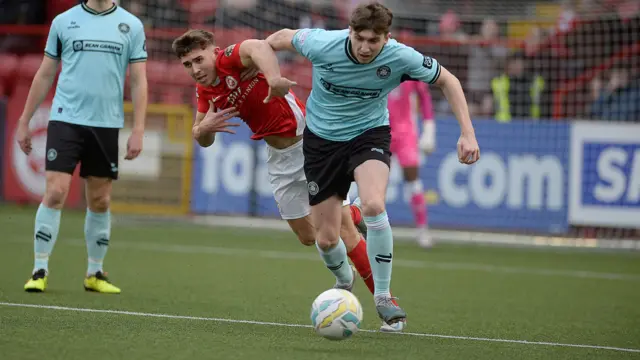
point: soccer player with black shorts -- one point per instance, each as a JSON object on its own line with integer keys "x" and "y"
{"x": 95, "y": 41}
{"x": 348, "y": 136}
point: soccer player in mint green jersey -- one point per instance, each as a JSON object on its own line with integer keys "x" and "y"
{"x": 96, "y": 42}
{"x": 348, "y": 136}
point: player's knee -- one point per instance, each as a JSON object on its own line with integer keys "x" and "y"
{"x": 307, "y": 239}
{"x": 99, "y": 202}
{"x": 373, "y": 207}
{"x": 307, "y": 236}
{"x": 304, "y": 230}
{"x": 56, "y": 191}
{"x": 327, "y": 241}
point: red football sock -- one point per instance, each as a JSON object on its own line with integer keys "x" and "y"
{"x": 360, "y": 260}
{"x": 356, "y": 216}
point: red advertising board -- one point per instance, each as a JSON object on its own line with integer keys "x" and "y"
{"x": 24, "y": 176}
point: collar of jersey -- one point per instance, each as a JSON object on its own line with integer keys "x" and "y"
{"x": 347, "y": 50}
{"x": 103, "y": 13}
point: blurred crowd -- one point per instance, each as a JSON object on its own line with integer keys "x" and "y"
{"x": 582, "y": 62}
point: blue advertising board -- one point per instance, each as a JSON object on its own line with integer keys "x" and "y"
{"x": 605, "y": 172}
{"x": 520, "y": 183}
{"x": 228, "y": 173}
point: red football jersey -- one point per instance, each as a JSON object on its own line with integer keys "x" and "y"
{"x": 281, "y": 116}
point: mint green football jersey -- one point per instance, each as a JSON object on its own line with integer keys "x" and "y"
{"x": 347, "y": 97}
{"x": 95, "y": 50}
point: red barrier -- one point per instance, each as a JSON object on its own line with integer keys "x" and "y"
{"x": 24, "y": 176}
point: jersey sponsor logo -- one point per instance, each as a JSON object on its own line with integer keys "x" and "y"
{"x": 231, "y": 82}
{"x": 73, "y": 25}
{"x": 328, "y": 67}
{"x": 144, "y": 45}
{"x": 238, "y": 97}
{"x": 427, "y": 62}
{"x": 351, "y": 92}
{"x": 383, "y": 72}
{"x": 229, "y": 50}
{"x": 109, "y": 47}
{"x": 124, "y": 28}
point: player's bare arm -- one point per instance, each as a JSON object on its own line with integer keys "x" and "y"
{"x": 206, "y": 125}
{"x": 468, "y": 150}
{"x": 204, "y": 139}
{"x": 282, "y": 40}
{"x": 40, "y": 87}
{"x": 258, "y": 53}
{"x": 139, "y": 93}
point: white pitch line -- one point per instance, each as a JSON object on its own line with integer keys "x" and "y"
{"x": 266, "y": 323}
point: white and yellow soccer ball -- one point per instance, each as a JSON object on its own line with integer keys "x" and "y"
{"x": 336, "y": 314}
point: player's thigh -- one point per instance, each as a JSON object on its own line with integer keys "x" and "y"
{"x": 100, "y": 155}
{"x": 370, "y": 162}
{"x": 56, "y": 189}
{"x": 326, "y": 217}
{"x": 63, "y": 152}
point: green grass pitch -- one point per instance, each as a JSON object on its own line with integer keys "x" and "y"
{"x": 192, "y": 292}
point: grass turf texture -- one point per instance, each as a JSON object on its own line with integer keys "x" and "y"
{"x": 543, "y": 295}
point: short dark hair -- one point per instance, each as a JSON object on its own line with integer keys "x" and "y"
{"x": 191, "y": 40}
{"x": 373, "y": 16}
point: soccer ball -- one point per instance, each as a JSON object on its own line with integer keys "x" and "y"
{"x": 336, "y": 314}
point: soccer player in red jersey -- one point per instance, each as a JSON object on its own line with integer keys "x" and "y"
{"x": 274, "y": 114}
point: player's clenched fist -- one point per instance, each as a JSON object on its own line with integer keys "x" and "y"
{"x": 279, "y": 88}
{"x": 468, "y": 149}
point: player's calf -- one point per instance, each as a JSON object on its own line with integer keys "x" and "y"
{"x": 47, "y": 225}
{"x": 327, "y": 218}
{"x": 97, "y": 225}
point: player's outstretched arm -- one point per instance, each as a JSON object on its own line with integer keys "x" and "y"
{"x": 139, "y": 95}
{"x": 468, "y": 150}
{"x": 282, "y": 40}
{"x": 40, "y": 87}
{"x": 258, "y": 53}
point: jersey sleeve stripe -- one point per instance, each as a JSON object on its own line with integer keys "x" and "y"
{"x": 436, "y": 76}
{"x": 48, "y": 54}
{"x": 137, "y": 60}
